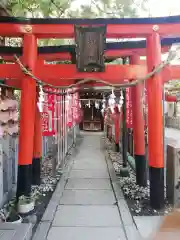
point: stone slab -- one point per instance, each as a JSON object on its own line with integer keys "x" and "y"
{"x": 147, "y": 225}
{"x": 89, "y": 159}
{"x": 10, "y": 231}
{"x": 89, "y": 165}
{"x": 87, "y": 216}
{"x": 42, "y": 231}
{"x": 99, "y": 173}
{"x": 88, "y": 197}
{"x": 89, "y": 184}
{"x": 95, "y": 157}
{"x": 84, "y": 233}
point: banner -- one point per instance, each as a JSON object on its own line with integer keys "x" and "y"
{"x": 129, "y": 119}
{"x": 69, "y": 109}
{"x": 76, "y": 108}
{"x": 145, "y": 103}
{"x": 48, "y": 114}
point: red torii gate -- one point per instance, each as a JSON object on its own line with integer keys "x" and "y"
{"x": 108, "y": 54}
{"x": 64, "y": 75}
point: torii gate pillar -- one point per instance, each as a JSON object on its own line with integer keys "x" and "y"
{"x": 155, "y": 123}
{"x": 27, "y": 119}
{"x": 37, "y": 151}
{"x": 138, "y": 130}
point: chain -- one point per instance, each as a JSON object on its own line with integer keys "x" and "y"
{"x": 171, "y": 56}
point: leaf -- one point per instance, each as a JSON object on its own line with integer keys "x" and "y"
{"x": 62, "y": 8}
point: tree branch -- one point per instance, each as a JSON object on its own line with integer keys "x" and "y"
{"x": 59, "y": 8}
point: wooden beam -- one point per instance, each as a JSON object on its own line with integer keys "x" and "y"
{"x": 66, "y": 74}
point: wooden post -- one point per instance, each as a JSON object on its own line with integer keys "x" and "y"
{"x": 124, "y": 133}
{"x": 117, "y": 128}
{"x": 124, "y": 171}
{"x": 37, "y": 151}
{"x": 27, "y": 118}
{"x": 155, "y": 123}
{"x": 138, "y": 130}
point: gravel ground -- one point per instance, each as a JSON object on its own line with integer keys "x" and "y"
{"x": 137, "y": 197}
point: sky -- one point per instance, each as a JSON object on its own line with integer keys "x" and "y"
{"x": 156, "y": 7}
{"x": 164, "y": 7}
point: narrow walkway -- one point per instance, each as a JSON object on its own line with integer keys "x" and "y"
{"x": 87, "y": 208}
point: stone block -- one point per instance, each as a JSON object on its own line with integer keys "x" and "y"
{"x": 173, "y": 173}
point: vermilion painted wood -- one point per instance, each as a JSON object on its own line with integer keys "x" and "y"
{"x": 65, "y": 74}
{"x": 137, "y": 112}
{"x": 28, "y": 103}
{"x": 67, "y": 30}
{"x": 37, "y": 151}
{"x": 155, "y": 109}
{"x": 108, "y": 54}
{"x": 54, "y": 74}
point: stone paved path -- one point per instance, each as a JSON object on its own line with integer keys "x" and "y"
{"x": 87, "y": 207}
{"x": 88, "y": 202}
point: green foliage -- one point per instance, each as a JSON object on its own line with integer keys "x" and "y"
{"x": 41, "y": 8}
{"x": 63, "y": 8}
